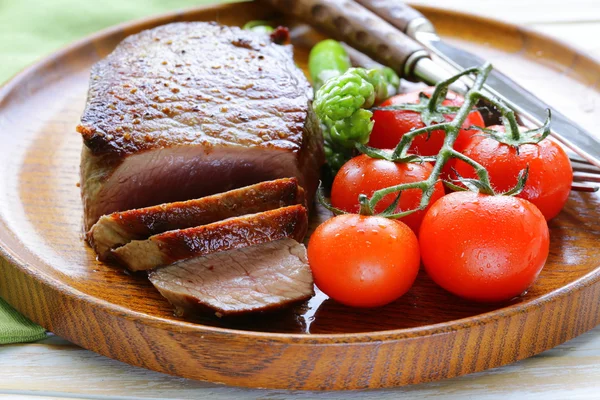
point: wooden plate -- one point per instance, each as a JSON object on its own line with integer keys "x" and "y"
{"x": 52, "y": 277}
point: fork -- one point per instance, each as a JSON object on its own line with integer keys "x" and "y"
{"x": 585, "y": 175}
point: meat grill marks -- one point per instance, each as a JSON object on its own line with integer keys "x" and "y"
{"x": 233, "y": 233}
{"x": 256, "y": 278}
{"x": 187, "y": 110}
{"x": 118, "y": 229}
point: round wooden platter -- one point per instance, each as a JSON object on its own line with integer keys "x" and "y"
{"x": 50, "y": 275}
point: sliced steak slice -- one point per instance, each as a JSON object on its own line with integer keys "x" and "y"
{"x": 256, "y": 278}
{"x": 191, "y": 109}
{"x": 233, "y": 233}
{"x": 117, "y": 229}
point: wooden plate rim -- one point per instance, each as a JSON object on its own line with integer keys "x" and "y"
{"x": 522, "y": 30}
{"x": 6, "y": 89}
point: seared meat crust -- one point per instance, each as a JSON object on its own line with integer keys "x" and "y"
{"x": 195, "y": 83}
{"x": 233, "y": 233}
{"x": 118, "y": 229}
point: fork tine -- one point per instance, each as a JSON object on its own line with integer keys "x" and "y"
{"x": 584, "y": 187}
{"x": 585, "y": 177}
{"x": 582, "y": 167}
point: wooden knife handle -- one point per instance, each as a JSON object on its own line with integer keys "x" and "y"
{"x": 350, "y": 22}
{"x": 393, "y": 11}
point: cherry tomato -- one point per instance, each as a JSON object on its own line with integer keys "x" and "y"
{"x": 484, "y": 248}
{"x": 390, "y": 126}
{"x": 550, "y": 173}
{"x": 363, "y": 261}
{"x": 365, "y": 175}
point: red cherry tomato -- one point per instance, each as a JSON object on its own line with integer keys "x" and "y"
{"x": 390, "y": 126}
{"x": 365, "y": 175}
{"x": 550, "y": 173}
{"x": 484, "y": 248}
{"x": 363, "y": 261}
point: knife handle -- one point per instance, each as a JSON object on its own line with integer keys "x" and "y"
{"x": 400, "y": 15}
{"x": 350, "y": 22}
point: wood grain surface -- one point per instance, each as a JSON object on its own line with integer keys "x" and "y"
{"x": 57, "y": 368}
{"x": 66, "y": 290}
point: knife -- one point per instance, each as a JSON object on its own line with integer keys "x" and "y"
{"x": 524, "y": 103}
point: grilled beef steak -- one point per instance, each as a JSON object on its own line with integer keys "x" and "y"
{"x": 117, "y": 229}
{"x": 255, "y": 278}
{"x": 233, "y": 233}
{"x": 191, "y": 109}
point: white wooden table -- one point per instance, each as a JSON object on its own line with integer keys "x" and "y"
{"x": 55, "y": 368}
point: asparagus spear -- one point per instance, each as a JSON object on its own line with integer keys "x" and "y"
{"x": 342, "y": 96}
{"x": 342, "y": 106}
{"x": 258, "y": 26}
{"x": 327, "y": 59}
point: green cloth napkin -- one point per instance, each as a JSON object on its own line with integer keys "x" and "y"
{"x": 15, "y": 328}
{"x": 32, "y": 29}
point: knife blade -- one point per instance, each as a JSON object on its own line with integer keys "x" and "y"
{"x": 524, "y": 103}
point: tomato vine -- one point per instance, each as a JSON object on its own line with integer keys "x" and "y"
{"x": 432, "y": 110}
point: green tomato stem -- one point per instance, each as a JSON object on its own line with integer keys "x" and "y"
{"x": 508, "y": 118}
{"x": 380, "y": 194}
{"x": 365, "y": 208}
{"x": 447, "y": 151}
{"x": 480, "y": 170}
{"x": 402, "y": 149}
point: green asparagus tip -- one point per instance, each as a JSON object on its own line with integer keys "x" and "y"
{"x": 258, "y": 26}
